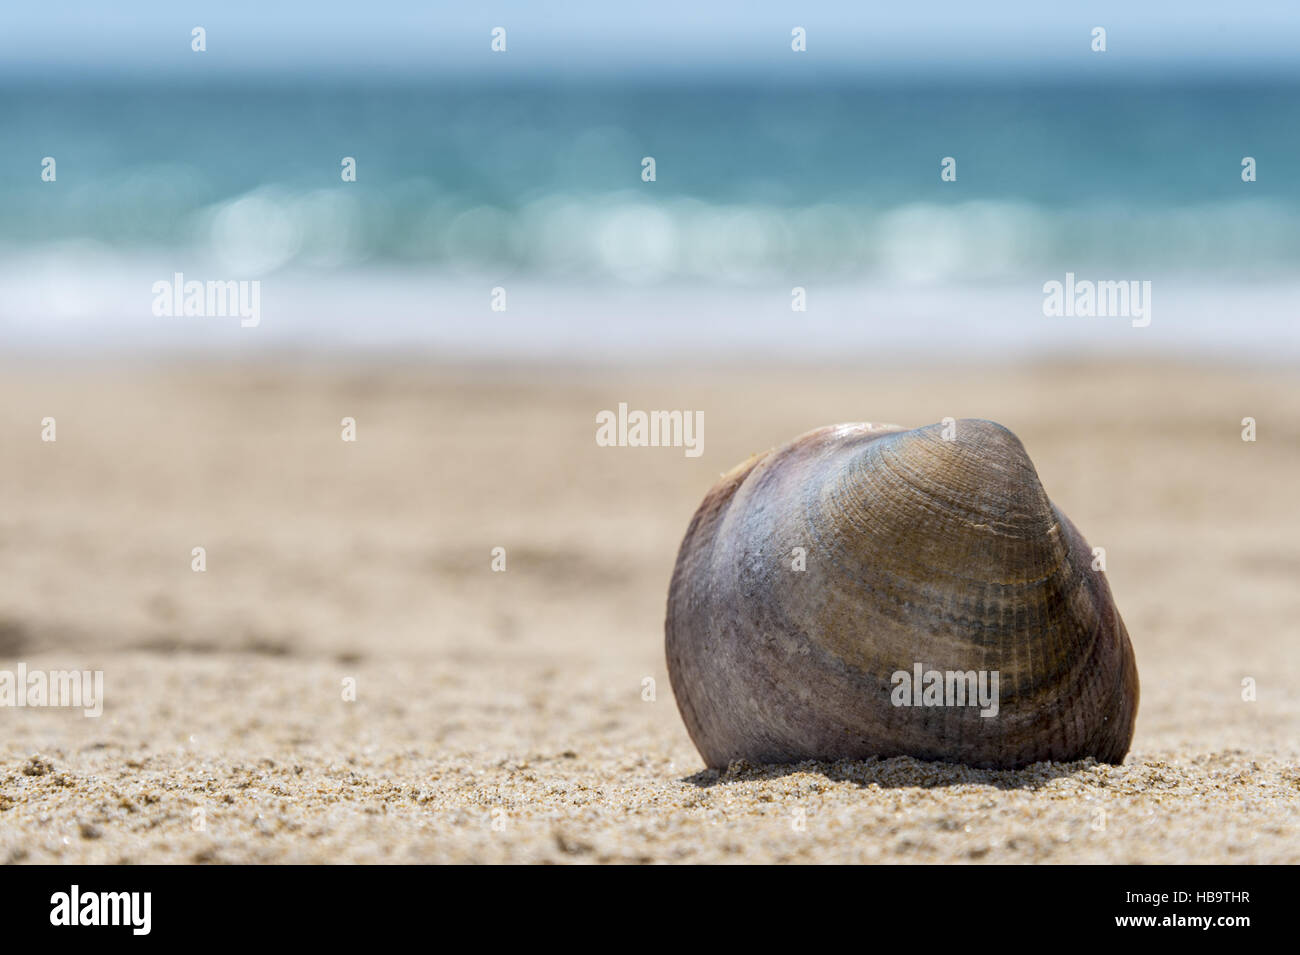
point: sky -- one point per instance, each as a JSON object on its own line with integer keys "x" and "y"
{"x": 67, "y": 40}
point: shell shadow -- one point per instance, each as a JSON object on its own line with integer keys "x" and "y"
{"x": 896, "y": 772}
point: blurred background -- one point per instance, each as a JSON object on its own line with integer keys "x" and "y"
{"x": 774, "y": 169}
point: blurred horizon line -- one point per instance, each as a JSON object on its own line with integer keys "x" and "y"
{"x": 847, "y": 81}
{"x": 746, "y": 39}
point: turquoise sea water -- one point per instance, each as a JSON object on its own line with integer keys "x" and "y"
{"x": 757, "y": 189}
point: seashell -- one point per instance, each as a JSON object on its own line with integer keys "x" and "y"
{"x": 923, "y": 555}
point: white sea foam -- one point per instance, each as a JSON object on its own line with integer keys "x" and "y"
{"x": 87, "y": 298}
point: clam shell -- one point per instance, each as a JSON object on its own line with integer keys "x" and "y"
{"x": 919, "y": 550}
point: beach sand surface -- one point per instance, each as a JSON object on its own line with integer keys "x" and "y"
{"x": 506, "y": 716}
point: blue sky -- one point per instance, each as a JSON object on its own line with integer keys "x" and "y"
{"x": 57, "y": 40}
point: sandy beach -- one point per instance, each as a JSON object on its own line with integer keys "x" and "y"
{"x": 508, "y": 716}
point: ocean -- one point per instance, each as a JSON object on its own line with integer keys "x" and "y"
{"x": 521, "y": 220}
